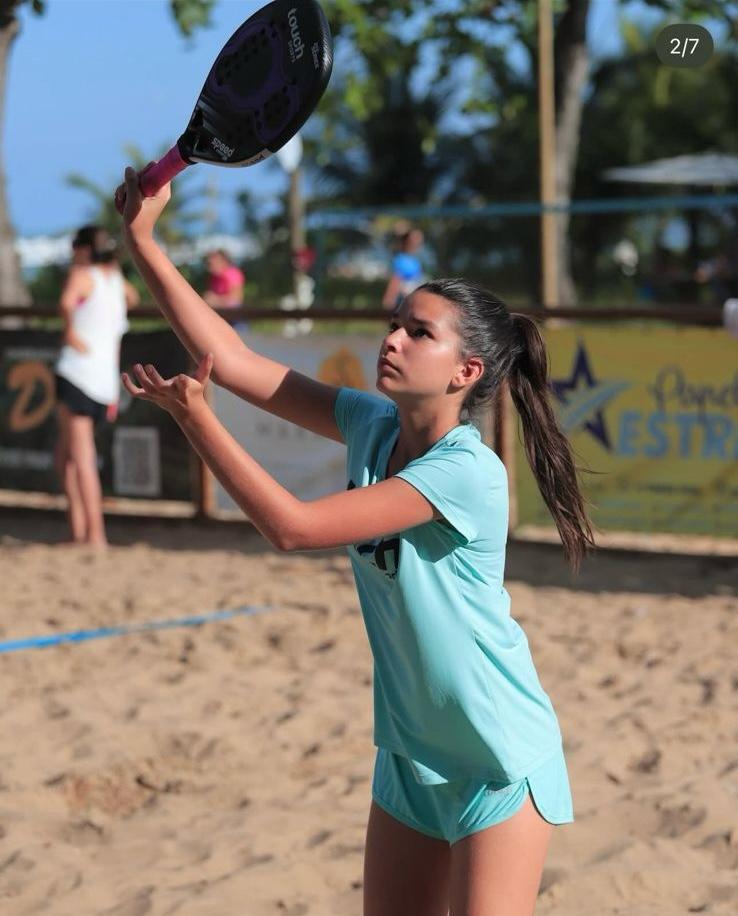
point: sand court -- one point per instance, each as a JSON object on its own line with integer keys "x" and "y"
{"x": 226, "y": 769}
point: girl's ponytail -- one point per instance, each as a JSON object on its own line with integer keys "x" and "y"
{"x": 512, "y": 349}
{"x": 547, "y": 448}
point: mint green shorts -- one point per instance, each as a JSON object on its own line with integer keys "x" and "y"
{"x": 452, "y": 810}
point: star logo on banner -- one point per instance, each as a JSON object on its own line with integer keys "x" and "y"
{"x": 582, "y": 399}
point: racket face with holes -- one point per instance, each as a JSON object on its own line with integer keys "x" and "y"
{"x": 263, "y": 86}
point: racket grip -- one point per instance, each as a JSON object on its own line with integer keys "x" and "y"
{"x": 157, "y": 175}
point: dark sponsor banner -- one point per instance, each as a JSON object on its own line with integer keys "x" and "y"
{"x": 142, "y": 454}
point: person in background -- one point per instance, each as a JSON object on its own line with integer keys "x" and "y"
{"x": 407, "y": 271}
{"x": 225, "y": 281}
{"x": 720, "y": 273}
{"x": 730, "y": 316}
{"x": 93, "y": 307}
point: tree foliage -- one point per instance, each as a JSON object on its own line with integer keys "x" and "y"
{"x": 175, "y": 223}
{"x": 389, "y": 129}
{"x": 438, "y": 102}
{"x": 638, "y": 111}
{"x": 191, "y": 14}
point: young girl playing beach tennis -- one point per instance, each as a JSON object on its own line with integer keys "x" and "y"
{"x": 470, "y": 773}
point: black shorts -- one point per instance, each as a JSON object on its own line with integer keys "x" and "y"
{"x": 78, "y": 402}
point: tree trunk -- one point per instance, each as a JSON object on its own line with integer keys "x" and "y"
{"x": 12, "y": 288}
{"x": 571, "y": 62}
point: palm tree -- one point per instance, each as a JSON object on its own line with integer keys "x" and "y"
{"x": 12, "y": 288}
{"x": 175, "y": 222}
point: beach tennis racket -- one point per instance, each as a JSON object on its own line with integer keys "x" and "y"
{"x": 263, "y": 86}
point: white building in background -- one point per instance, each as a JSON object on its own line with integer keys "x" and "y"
{"x": 41, "y": 250}
{"x": 236, "y": 246}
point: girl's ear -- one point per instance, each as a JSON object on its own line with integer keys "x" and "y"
{"x": 470, "y": 372}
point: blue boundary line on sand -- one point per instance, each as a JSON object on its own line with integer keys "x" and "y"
{"x": 75, "y": 636}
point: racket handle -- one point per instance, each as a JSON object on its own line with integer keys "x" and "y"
{"x": 157, "y": 175}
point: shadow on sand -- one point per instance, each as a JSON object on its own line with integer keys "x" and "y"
{"x": 536, "y": 564}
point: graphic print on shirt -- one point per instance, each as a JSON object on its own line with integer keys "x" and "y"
{"x": 382, "y": 553}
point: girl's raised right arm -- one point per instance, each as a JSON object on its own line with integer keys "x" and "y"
{"x": 258, "y": 380}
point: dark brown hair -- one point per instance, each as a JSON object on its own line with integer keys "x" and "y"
{"x": 512, "y": 349}
{"x": 103, "y": 248}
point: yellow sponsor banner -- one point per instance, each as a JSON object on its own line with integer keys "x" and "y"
{"x": 652, "y": 413}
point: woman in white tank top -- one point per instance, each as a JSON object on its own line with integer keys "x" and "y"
{"x": 93, "y": 305}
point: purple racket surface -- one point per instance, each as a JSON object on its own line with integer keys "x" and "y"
{"x": 264, "y": 84}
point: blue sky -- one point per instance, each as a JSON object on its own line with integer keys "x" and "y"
{"x": 89, "y": 77}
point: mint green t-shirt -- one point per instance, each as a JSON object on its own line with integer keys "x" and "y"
{"x": 455, "y": 688}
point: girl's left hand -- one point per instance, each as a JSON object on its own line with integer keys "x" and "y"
{"x": 179, "y": 395}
